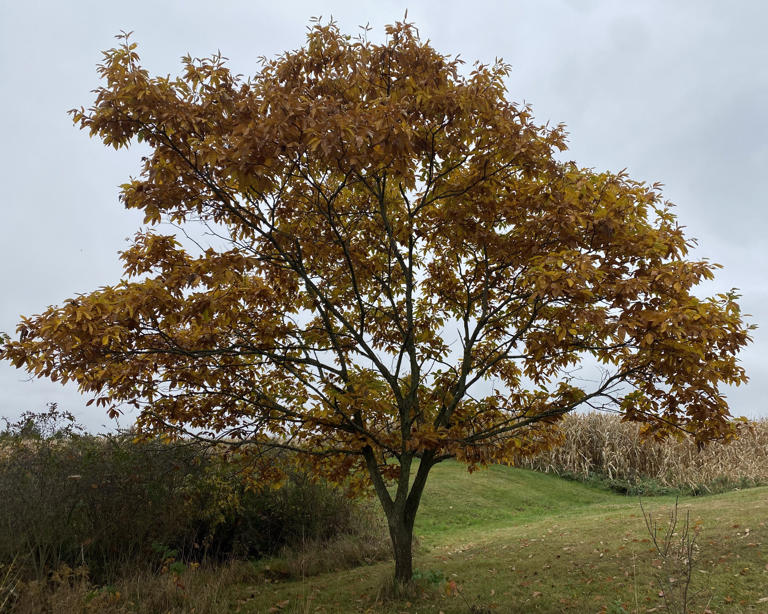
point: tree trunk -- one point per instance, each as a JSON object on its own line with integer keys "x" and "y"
{"x": 401, "y": 532}
{"x": 401, "y": 510}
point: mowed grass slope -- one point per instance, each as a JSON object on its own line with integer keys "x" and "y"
{"x": 512, "y": 540}
{"x": 458, "y": 504}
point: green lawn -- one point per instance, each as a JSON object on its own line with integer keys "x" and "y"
{"x": 458, "y": 504}
{"x": 510, "y": 540}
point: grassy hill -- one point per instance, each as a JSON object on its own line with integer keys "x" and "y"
{"x": 457, "y": 503}
{"x": 512, "y": 540}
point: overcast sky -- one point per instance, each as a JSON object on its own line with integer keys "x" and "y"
{"x": 675, "y": 92}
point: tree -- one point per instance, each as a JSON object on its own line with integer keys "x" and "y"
{"x": 386, "y": 266}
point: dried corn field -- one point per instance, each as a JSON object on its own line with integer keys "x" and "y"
{"x": 601, "y": 446}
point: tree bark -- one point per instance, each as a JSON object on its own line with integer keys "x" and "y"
{"x": 401, "y": 517}
{"x": 401, "y": 532}
{"x": 401, "y": 510}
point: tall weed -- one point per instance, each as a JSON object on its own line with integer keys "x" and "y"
{"x": 601, "y": 447}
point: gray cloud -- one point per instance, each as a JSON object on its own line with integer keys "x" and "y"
{"x": 674, "y": 92}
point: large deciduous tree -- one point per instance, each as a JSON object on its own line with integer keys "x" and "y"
{"x": 387, "y": 265}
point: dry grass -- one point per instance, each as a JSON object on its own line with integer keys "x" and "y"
{"x": 10, "y": 578}
{"x": 602, "y": 445}
{"x": 202, "y": 590}
{"x": 343, "y": 552}
{"x": 198, "y": 589}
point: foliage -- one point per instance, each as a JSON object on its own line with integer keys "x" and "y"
{"x": 110, "y": 504}
{"x": 385, "y": 259}
{"x": 50, "y": 424}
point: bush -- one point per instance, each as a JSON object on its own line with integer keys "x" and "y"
{"x": 108, "y": 503}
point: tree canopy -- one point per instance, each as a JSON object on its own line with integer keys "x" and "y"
{"x": 372, "y": 256}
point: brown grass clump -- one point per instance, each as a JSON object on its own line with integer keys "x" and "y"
{"x": 599, "y": 445}
{"x": 367, "y": 543}
{"x": 202, "y": 590}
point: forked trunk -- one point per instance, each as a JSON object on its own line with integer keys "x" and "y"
{"x": 401, "y": 509}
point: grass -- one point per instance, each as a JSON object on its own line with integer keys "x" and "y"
{"x": 510, "y": 540}
{"x": 501, "y": 540}
{"x": 456, "y": 503}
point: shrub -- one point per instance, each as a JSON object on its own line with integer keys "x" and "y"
{"x": 109, "y": 503}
